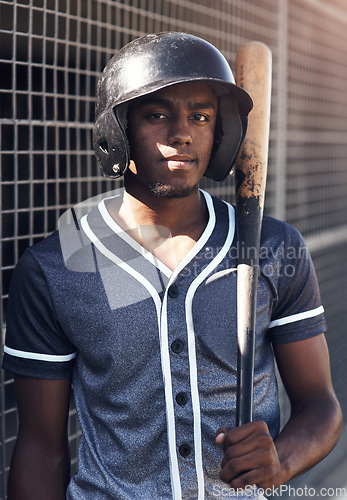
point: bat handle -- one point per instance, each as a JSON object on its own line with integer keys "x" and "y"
{"x": 248, "y": 275}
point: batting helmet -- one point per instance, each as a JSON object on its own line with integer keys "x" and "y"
{"x": 151, "y": 63}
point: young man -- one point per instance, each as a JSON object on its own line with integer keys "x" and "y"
{"x": 135, "y": 303}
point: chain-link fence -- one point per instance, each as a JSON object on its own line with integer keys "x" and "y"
{"x": 52, "y": 52}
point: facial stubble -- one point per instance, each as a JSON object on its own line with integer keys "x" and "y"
{"x": 161, "y": 190}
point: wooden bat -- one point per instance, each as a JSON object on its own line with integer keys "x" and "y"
{"x": 253, "y": 73}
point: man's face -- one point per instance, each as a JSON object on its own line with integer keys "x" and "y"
{"x": 171, "y": 134}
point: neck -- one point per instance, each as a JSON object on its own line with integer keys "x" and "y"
{"x": 168, "y": 228}
{"x": 183, "y": 215}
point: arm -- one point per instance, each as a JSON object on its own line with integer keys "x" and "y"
{"x": 316, "y": 419}
{"x": 40, "y": 466}
{"x": 251, "y": 456}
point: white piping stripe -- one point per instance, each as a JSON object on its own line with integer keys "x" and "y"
{"x": 175, "y": 479}
{"x": 192, "y": 351}
{"x": 163, "y": 327}
{"x": 112, "y": 224}
{"x": 53, "y": 358}
{"x": 170, "y": 412}
{"x": 116, "y": 260}
{"x": 134, "y": 244}
{"x": 297, "y": 317}
{"x": 201, "y": 241}
{"x": 164, "y": 351}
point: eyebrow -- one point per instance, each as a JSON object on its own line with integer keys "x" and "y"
{"x": 168, "y": 103}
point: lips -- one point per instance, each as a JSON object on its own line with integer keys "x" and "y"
{"x": 178, "y": 161}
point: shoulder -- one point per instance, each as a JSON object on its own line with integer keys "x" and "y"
{"x": 47, "y": 249}
{"x": 282, "y": 243}
{"x": 275, "y": 229}
{"x": 66, "y": 248}
{"x": 35, "y": 266}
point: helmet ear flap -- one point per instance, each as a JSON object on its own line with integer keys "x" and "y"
{"x": 233, "y": 130}
{"x": 110, "y": 145}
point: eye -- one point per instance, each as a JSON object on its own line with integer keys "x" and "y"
{"x": 157, "y": 116}
{"x": 199, "y": 117}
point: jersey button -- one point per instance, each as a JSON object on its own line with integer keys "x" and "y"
{"x": 177, "y": 346}
{"x": 184, "y": 450}
{"x": 173, "y": 291}
{"x": 181, "y": 398}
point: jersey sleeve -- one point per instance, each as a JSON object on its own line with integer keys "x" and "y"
{"x": 35, "y": 344}
{"x": 298, "y": 313}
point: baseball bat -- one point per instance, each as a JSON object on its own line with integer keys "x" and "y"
{"x": 253, "y": 73}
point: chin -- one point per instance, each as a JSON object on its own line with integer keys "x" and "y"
{"x": 169, "y": 191}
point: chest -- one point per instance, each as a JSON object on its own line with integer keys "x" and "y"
{"x": 165, "y": 248}
{"x": 111, "y": 313}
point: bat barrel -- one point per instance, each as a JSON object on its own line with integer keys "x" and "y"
{"x": 253, "y": 73}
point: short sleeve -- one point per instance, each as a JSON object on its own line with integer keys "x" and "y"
{"x": 35, "y": 344}
{"x": 299, "y": 313}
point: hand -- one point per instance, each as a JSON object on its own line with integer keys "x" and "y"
{"x": 250, "y": 456}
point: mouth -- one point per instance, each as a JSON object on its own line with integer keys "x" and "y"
{"x": 178, "y": 162}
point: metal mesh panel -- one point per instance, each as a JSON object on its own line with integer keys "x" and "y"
{"x": 317, "y": 118}
{"x": 51, "y": 54}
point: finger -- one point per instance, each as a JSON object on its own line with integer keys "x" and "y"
{"x": 240, "y": 470}
{"x": 247, "y": 479}
{"x": 237, "y": 434}
{"x": 220, "y": 438}
{"x": 263, "y": 464}
{"x": 233, "y": 466}
{"x": 260, "y": 477}
{"x": 245, "y": 462}
{"x": 220, "y": 434}
{"x": 232, "y": 471}
{"x": 249, "y": 447}
{"x": 250, "y": 430}
{"x": 222, "y": 430}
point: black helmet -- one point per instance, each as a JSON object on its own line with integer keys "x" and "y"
{"x": 151, "y": 63}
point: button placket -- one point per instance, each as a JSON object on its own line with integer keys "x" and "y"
{"x": 178, "y": 347}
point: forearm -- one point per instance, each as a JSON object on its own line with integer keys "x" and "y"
{"x": 309, "y": 436}
{"x": 38, "y": 473}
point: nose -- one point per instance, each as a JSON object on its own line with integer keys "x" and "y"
{"x": 179, "y": 130}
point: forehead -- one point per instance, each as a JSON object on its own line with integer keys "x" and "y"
{"x": 193, "y": 93}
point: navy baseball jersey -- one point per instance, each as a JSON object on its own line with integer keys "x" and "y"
{"x": 152, "y": 352}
